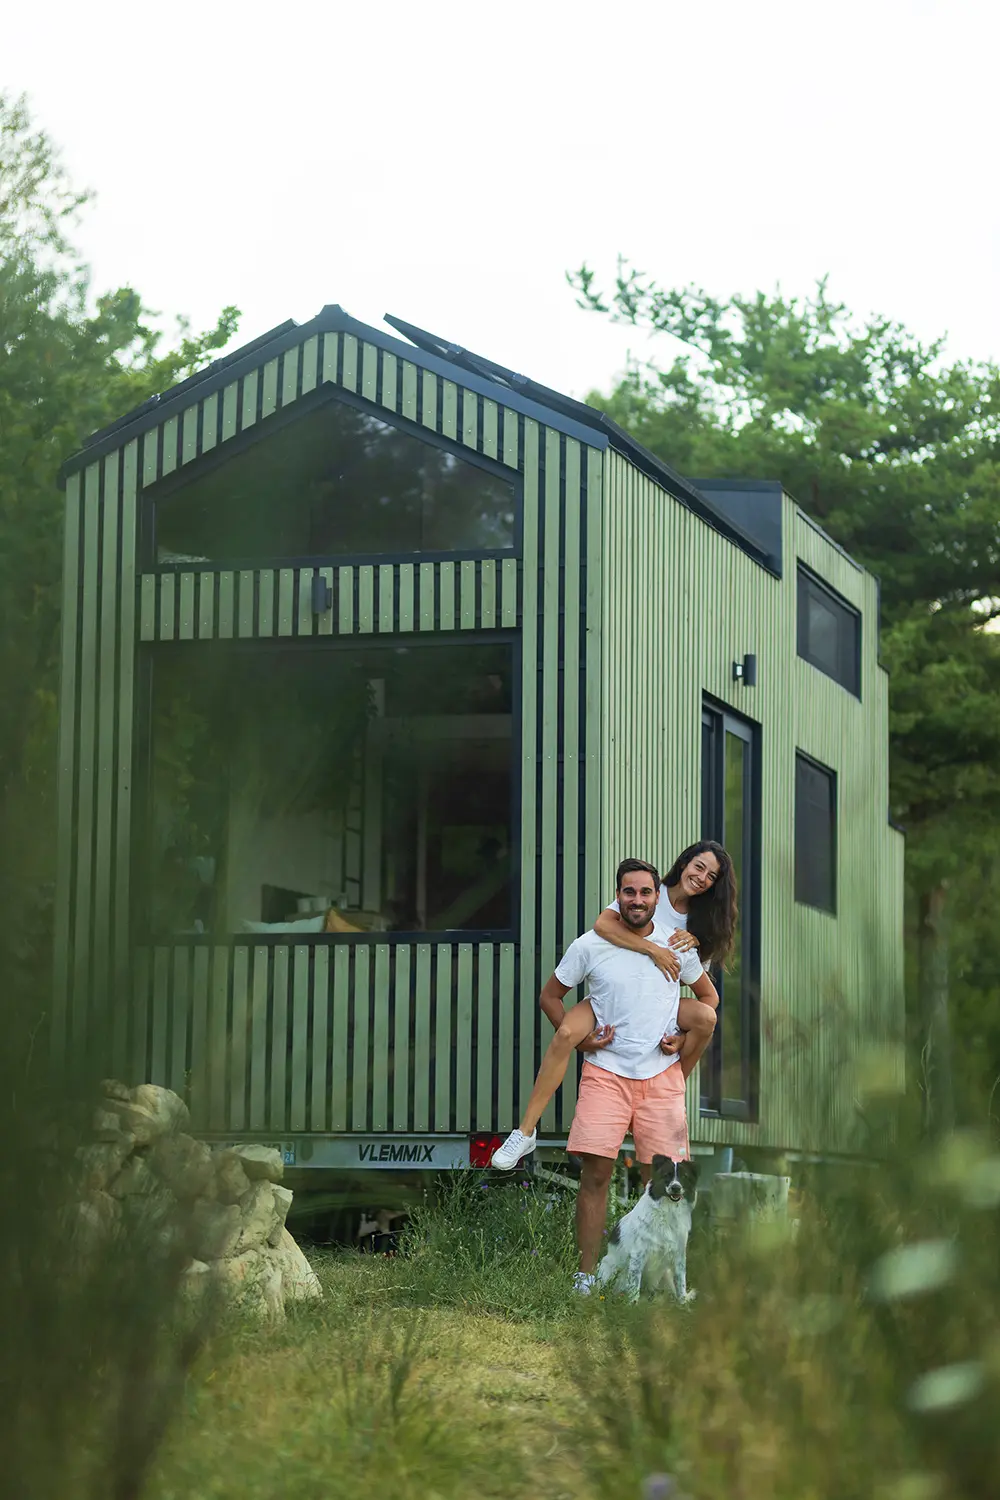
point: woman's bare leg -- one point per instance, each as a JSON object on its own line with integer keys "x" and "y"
{"x": 576, "y": 1024}
{"x": 697, "y": 1020}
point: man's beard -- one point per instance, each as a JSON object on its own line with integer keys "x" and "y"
{"x": 634, "y": 920}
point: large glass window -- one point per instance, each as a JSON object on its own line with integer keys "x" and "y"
{"x": 731, "y": 815}
{"x": 829, "y": 632}
{"x": 335, "y": 483}
{"x": 336, "y": 788}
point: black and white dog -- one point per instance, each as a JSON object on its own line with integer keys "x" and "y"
{"x": 648, "y": 1247}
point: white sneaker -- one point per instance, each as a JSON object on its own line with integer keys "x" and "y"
{"x": 583, "y": 1282}
{"x": 513, "y": 1149}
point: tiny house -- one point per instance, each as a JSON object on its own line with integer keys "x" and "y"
{"x": 376, "y": 659}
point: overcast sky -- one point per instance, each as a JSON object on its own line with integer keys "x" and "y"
{"x": 448, "y": 162}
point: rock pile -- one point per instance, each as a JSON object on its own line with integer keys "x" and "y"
{"x": 228, "y": 1204}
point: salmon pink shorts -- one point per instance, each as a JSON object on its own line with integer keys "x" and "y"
{"x": 608, "y": 1105}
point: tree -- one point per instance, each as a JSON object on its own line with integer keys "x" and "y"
{"x": 69, "y": 363}
{"x": 896, "y": 452}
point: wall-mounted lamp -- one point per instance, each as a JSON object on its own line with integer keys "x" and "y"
{"x": 745, "y": 671}
{"x": 322, "y": 594}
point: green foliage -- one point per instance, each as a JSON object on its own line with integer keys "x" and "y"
{"x": 69, "y": 363}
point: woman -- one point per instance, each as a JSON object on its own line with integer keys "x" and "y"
{"x": 698, "y": 900}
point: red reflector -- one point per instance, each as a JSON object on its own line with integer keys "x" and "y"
{"x": 481, "y": 1149}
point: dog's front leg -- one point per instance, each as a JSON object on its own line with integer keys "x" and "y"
{"x": 632, "y": 1279}
{"x": 680, "y": 1280}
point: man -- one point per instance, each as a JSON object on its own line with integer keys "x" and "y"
{"x": 629, "y": 1080}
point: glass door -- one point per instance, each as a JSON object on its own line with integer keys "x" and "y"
{"x": 731, "y": 815}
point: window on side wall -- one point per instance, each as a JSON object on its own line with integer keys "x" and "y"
{"x": 829, "y": 632}
{"x": 815, "y": 834}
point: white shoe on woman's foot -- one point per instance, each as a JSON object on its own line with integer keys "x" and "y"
{"x": 516, "y": 1146}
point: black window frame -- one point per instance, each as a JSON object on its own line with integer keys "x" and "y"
{"x": 805, "y": 838}
{"x": 717, "y": 720}
{"x": 848, "y": 673}
{"x": 161, "y": 489}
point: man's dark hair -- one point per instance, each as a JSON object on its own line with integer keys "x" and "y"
{"x": 632, "y": 867}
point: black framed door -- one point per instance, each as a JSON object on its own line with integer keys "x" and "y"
{"x": 730, "y": 814}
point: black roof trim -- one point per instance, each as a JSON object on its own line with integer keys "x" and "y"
{"x": 575, "y": 418}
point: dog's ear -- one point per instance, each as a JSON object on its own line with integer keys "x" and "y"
{"x": 658, "y": 1162}
{"x": 662, "y": 1169}
{"x": 687, "y": 1171}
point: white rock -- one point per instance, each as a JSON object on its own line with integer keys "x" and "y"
{"x": 102, "y": 1162}
{"x": 258, "y": 1216}
{"x": 231, "y": 1181}
{"x": 260, "y": 1162}
{"x": 112, "y": 1088}
{"x": 184, "y": 1165}
{"x": 298, "y": 1279}
{"x": 134, "y": 1178}
{"x": 107, "y": 1125}
{"x": 282, "y": 1203}
{"x": 254, "y": 1283}
{"x": 215, "y": 1229}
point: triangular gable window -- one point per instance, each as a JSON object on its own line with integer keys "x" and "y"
{"x": 338, "y": 482}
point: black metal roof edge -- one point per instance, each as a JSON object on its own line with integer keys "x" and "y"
{"x": 330, "y": 319}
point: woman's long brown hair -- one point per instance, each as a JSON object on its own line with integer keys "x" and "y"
{"x": 712, "y": 916}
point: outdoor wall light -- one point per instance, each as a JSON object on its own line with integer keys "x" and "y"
{"x": 322, "y": 595}
{"x": 745, "y": 671}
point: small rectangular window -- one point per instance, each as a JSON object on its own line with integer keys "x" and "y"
{"x": 829, "y": 632}
{"x": 815, "y": 834}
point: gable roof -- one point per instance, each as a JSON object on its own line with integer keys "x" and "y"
{"x": 546, "y": 406}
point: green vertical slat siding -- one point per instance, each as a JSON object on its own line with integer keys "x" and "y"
{"x": 443, "y": 1040}
{"x": 401, "y": 1042}
{"x": 279, "y": 1036}
{"x": 319, "y": 1102}
{"x": 463, "y": 1037}
{"x": 369, "y": 371}
{"x": 389, "y": 381}
{"x": 310, "y": 359}
{"x": 350, "y": 367}
{"x": 430, "y": 386}
{"x": 467, "y": 595}
{"x": 122, "y": 882}
{"x": 406, "y": 584}
{"x": 486, "y": 1001}
{"x": 148, "y": 623}
{"x": 300, "y": 1037}
{"x": 289, "y": 376}
{"x": 239, "y": 1054}
{"x": 269, "y": 388}
{"x": 160, "y": 1017}
{"x": 168, "y": 607}
{"x": 200, "y": 1069}
{"x": 346, "y": 593}
{"x": 381, "y": 1000}
{"x": 90, "y": 602}
{"x": 286, "y": 601}
{"x": 107, "y": 780}
{"x": 206, "y": 606}
{"x": 362, "y": 1020}
{"x": 150, "y": 455}
{"x": 409, "y": 406}
{"x": 446, "y": 595}
{"x": 506, "y": 1112}
{"x": 306, "y": 616}
{"x": 470, "y": 419}
{"x": 324, "y": 622}
{"x": 426, "y": 596}
{"x": 210, "y": 422}
{"x": 331, "y": 347}
{"x": 449, "y": 410}
{"x": 218, "y": 1040}
{"x": 189, "y": 435}
{"x": 226, "y": 606}
{"x": 570, "y": 920}
{"x": 260, "y": 1041}
{"x": 67, "y": 767}
{"x": 230, "y": 410}
{"x": 180, "y": 1000}
{"x": 265, "y": 602}
{"x": 339, "y": 1049}
{"x": 248, "y": 409}
{"x": 366, "y": 599}
{"x": 386, "y": 606}
{"x": 185, "y": 608}
{"x": 529, "y": 760}
{"x": 169, "y": 447}
{"x": 247, "y": 624}
{"x": 549, "y": 731}
{"x": 490, "y": 429}
{"x": 510, "y": 443}
{"x": 422, "y": 1037}
{"x": 488, "y": 593}
{"x": 135, "y": 1066}
{"x": 508, "y": 593}
{"x": 594, "y": 876}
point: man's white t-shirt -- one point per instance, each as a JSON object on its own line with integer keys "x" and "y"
{"x": 629, "y": 992}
